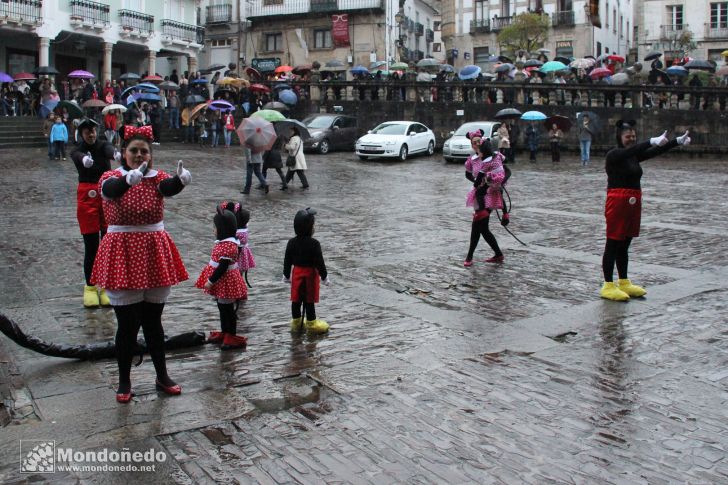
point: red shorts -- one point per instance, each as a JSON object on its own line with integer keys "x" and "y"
{"x": 89, "y": 213}
{"x": 305, "y": 284}
{"x": 623, "y": 212}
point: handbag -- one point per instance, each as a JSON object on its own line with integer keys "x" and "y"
{"x": 291, "y": 160}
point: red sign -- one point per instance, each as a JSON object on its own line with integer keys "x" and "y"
{"x": 340, "y": 30}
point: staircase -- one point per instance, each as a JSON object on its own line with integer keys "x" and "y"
{"x": 21, "y": 132}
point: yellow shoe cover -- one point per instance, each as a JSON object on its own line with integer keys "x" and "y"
{"x": 103, "y": 298}
{"x": 90, "y": 296}
{"x": 611, "y": 292}
{"x": 316, "y": 326}
{"x": 632, "y": 290}
{"x": 296, "y": 324}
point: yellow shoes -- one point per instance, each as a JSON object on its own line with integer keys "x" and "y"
{"x": 633, "y": 291}
{"x": 316, "y": 326}
{"x": 103, "y": 298}
{"x": 296, "y": 324}
{"x": 611, "y": 292}
{"x": 90, "y": 296}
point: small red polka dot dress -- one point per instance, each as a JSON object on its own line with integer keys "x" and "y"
{"x": 138, "y": 253}
{"x": 231, "y": 285}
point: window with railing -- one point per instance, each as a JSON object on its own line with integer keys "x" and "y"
{"x": 131, "y": 20}
{"x": 675, "y": 16}
{"x": 419, "y": 29}
{"x": 429, "y": 35}
{"x": 499, "y": 23}
{"x": 479, "y": 26}
{"x": 719, "y": 15}
{"x": 563, "y": 19}
{"x": 25, "y": 10}
{"x": 87, "y": 11}
{"x": 181, "y": 31}
{"x": 219, "y": 14}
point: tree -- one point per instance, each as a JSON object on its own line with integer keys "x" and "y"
{"x": 527, "y": 32}
{"x": 685, "y": 42}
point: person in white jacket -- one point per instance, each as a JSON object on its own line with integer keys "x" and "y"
{"x": 294, "y": 147}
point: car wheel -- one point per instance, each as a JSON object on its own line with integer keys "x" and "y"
{"x": 362, "y": 157}
{"x": 403, "y": 153}
{"x": 431, "y": 148}
{"x": 324, "y": 147}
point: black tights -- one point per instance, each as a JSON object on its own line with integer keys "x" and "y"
{"x": 615, "y": 251}
{"x": 148, "y": 317}
{"x": 228, "y": 318}
{"x": 90, "y": 248}
{"x": 480, "y": 228}
{"x": 280, "y": 174}
{"x": 310, "y": 309}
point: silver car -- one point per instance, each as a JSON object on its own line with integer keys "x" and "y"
{"x": 458, "y": 148}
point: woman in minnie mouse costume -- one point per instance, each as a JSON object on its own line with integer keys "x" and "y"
{"x": 623, "y": 207}
{"x": 137, "y": 262}
{"x": 92, "y": 159}
{"x": 221, "y": 278}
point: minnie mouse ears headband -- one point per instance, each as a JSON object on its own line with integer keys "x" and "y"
{"x": 475, "y": 134}
{"x": 626, "y": 124}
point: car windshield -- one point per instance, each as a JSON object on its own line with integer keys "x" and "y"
{"x": 389, "y": 129}
{"x": 318, "y": 121}
{"x": 464, "y": 129}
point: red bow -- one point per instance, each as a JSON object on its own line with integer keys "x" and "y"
{"x": 145, "y": 131}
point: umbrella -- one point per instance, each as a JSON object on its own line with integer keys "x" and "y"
{"x": 562, "y": 122}
{"x": 47, "y": 107}
{"x": 149, "y": 97}
{"x": 723, "y": 71}
{"x": 504, "y": 68}
{"x": 74, "y": 110}
{"x": 584, "y": 63}
{"x": 650, "y": 56}
{"x": 595, "y": 124}
{"x": 147, "y": 88}
{"x": 398, "y": 66}
{"x": 446, "y": 68}
{"x": 376, "y": 65}
{"x": 194, "y": 99}
{"x": 700, "y": 64}
{"x": 94, "y": 103}
{"x": 334, "y": 63}
{"x": 533, "y": 116}
{"x": 259, "y": 88}
{"x": 508, "y": 113}
{"x": 23, "y": 76}
{"x": 654, "y": 73}
{"x": 129, "y": 76}
{"x": 275, "y": 106}
{"x": 169, "y": 86}
{"x": 46, "y": 70}
{"x": 282, "y": 69}
{"x": 196, "y": 110}
{"x": 302, "y": 69}
{"x": 233, "y": 81}
{"x": 282, "y": 127}
{"x": 221, "y": 105}
{"x": 257, "y": 134}
{"x": 281, "y": 86}
{"x": 553, "y": 66}
{"x": 425, "y": 77}
{"x": 80, "y": 74}
{"x": 469, "y": 72}
{"x": 505, "y": 59}
{"x": 201, "y": 80}
{"x": 677, "y": 71}
{"x": 114, "y": 107}
{"x": 724, "y": 53}
{"x": 359, "y": 70}
{"x": 215, "y": 67}
{"x": 564, "y": 60}
{"x": 544, "y": 51}
{"x": 599, "y": 73}
{"x": 615, "y": 58}
{"x": 427, "y": 62}
{"x": 288, "y": 97}
{"x": 533, "y": 63}
{"x": 619, "y": 79}
{"x": 5, "y": 77}
{"x": 153, "y": 79}
{"x": 268, "y": 114}
{"x": 253, "y": 73}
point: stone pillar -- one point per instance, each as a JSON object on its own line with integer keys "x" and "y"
{"x": 152, "y": 62}
{"x": 191, "y": 64}
{"x": 44, "y": 44}
{"x": 106, "y": 74}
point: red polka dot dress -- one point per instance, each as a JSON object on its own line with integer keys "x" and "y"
{"x": 140, "y": 257}
{"x": 231, "y": 285}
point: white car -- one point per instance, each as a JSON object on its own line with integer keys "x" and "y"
{"x": 458, "y": 147}
{"x": 396, "y": 139}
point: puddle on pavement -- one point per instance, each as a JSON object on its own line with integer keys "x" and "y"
{"x": 298, "y": 393}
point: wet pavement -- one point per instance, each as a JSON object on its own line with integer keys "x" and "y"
{"x": 432, "y": 372}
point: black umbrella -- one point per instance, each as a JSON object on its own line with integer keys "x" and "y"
{"x": 130, "y": 76}
{"x": 214, "y": 67}
{"x": 194, "y": 99}
{"x": 700, "y": 64}
{"x": 508, "y": 113}
{"x": 562, "y": 122}
{"x": 504, "y": 68}
{"x": 533, "y": 63}
{"x": 563, "y": 59}
{"x": 283, "y": 126}
{"x": 657, "y": 73}
{"x": 595, "y": 124}
{"x": 505, "y": 59}
{"x": 46, "y": 70}
{"x": 652, "y": 55}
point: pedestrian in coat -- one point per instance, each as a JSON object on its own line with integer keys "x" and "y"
{"x": 532, "y": 139}
{"x": 555, "y": 137}
{"x": 295, "y": 150}
{"x": 585, "y": 138}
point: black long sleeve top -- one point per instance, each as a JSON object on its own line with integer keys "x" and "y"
{"x": 102, "y": 152}
{"x": 304, "y": 251}
{"x": 115, "y": 187}
{"x": 623, "y": 164}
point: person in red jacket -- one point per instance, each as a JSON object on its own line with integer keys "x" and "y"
{"x": 110, "y": 127}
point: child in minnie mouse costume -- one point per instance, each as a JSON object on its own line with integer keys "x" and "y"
{"x": 222, "y": 279}
{"x": 91, "y": 158}
{"x": 303, "y": 253}
{"x": 137, "y": 262}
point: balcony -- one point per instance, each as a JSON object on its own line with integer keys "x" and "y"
{"x": 500, "y": 22}
{"x": 85, "y": 13}
{"x": 218, "y": 14}
{"x": 672, "y": 31}
{"x": 135, "y": 23}
{"x": 716, "y": 31}
{"x": 419, "y": 29}
{"x": 179, "y": 33}
{"x": 410, "y": 25}
{"x": 21, "y": 11}
{"x": 271, "y": 8}
{"x": 420, "y": 55}
{"x": 324, "y": 6}
{"x": 429, "y": 35}
{"x": 563, "y": 19}
{"x": 479, "y": 26}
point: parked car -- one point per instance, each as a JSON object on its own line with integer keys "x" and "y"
{"x": 458, "y": 147}
{"x": 330, "y": 132}
{"x": 396, "y": 139}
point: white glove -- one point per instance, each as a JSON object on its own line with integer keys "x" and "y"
{"x": 133, "y": 177}
{"x": 184, "y": 175}
{"x": 117, "y": 155}
{"x": 658, "y": 141}
{"x": 685, "y": 139}
{"x": 326, "y": 282}
{"x": 87, "y": 160}
{"x": 285, "y": 280}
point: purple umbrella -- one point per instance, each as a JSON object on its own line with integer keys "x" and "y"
{"x": 80, "y": 74}
{"x": 221, "y": 105}
{"x": 5, "y": 78}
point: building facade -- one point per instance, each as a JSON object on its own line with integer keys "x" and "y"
{"x": 470, "y": 27}
{"x": 106, "y": 39}
{"x": 417, "y": 33}
{"x": 697, "y": 28}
